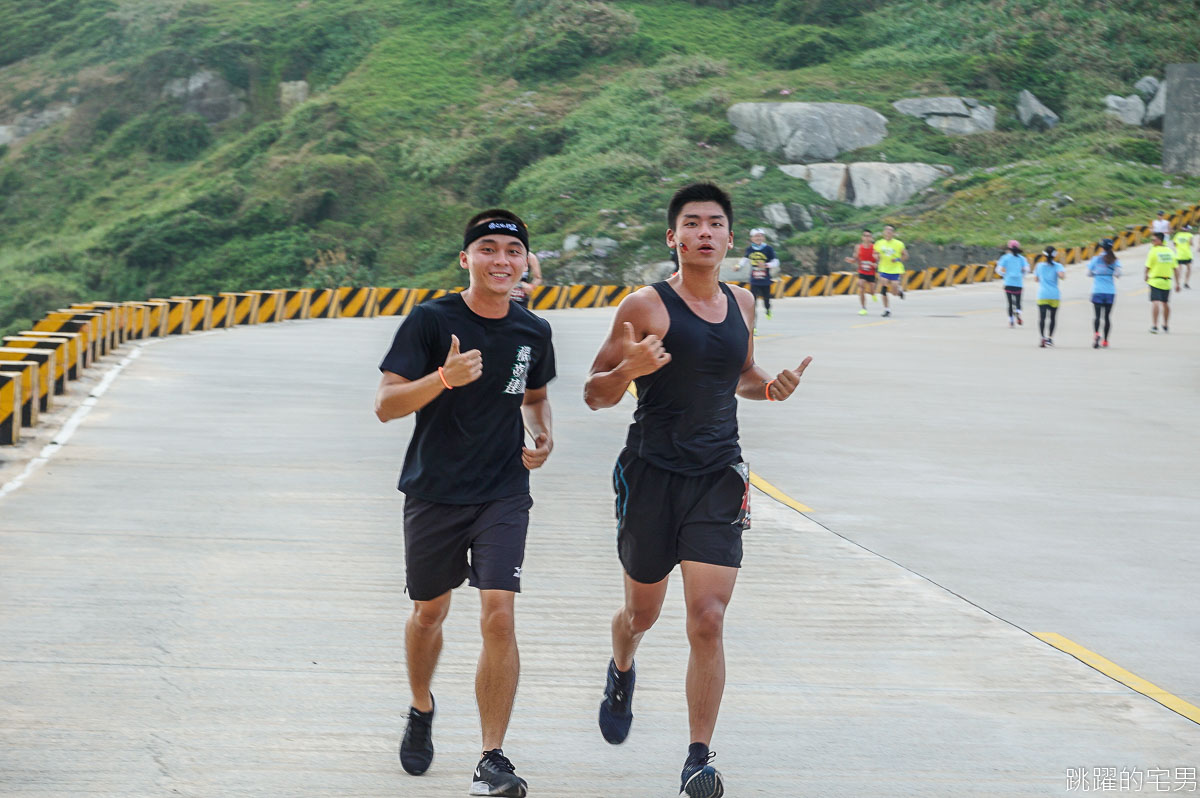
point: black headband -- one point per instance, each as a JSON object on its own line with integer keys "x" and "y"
{"x": 496, "y": 227}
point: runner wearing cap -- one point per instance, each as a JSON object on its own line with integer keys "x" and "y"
{"x": 1013, "y": 266}
{"x": 1103, "y": 269}
{"x": 892, "y": 255}
{"x": 865, "y": 261}
{"x": 760, "y": 258}
{"x": 474, "y": 368}
{"x": 1048, "y": 273}
{"x": 1183, "y": 253}
{"x": 1161, "y": 269}
{"x": 1161, "y": 224}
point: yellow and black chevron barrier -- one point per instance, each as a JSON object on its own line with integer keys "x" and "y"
{"x": 295, "y": 303}
{"x": 937, "y": 276}
{"x": 390, "y": 301}
{"x": 76, "y": 350}
{"x": 139, "y": 321}
{"x": 323, "y": 304}
{"x": 957, "y": 274}
{"x": 790, "y": 286}
{"x": 584, "y": 296}
{"x": 179, "y": 315}
{"x": 244, "y": 308}
{"x": 842, "y": 283}
{"x": 101, "y": 325}
{"x": 915, "y": 280}
{"x": 60, "y": 348}
{"x": 416, "y": 296}
{"x": 200, "y": 312}
{"x": 31, "y": 386}
{"x": 10, "y": 408}
{"x": 44, "y": 358}
{"x": 67, "y": 323}
{"x": 222, "y": 312}
{"x": 94, "y": 324}
{"x": 357, "y": 302}
{"x": 548, "y": 297}
{"x": 270, "y": 306}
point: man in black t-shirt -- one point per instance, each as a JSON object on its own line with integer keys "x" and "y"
{"x": 474, "y": 368}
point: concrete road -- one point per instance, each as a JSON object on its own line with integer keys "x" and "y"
{"x": 202, "y": 593}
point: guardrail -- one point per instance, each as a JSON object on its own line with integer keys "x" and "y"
{"x": 37, "y": 364}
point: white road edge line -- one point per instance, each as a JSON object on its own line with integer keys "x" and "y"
{"x": 68, "y": 429}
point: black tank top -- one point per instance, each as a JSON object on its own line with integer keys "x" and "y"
{"x": 686, "y": 417}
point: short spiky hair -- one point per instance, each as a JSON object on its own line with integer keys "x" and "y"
{"x": 698, "y": 192}
{"x": 495, "y": 213}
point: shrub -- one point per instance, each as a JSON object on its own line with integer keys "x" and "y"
{"x": 558, "y": 36}
{"x": 179, "y": 138}
{"x": 801, "y": 46}
{"x": 822, "y": 12}
{"x": 1140, "y": 150}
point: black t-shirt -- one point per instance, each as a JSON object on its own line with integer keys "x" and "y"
{"x": 466, "y": 447}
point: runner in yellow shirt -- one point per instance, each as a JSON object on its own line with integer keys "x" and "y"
{"x": 1161, "y": 268}
{"x": 892, "y": 255}
{"x": 1183, "y": 253}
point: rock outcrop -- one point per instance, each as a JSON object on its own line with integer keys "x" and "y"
{"x": 292, "y": 93}
{"x": 28, "y": 124}
{"x": 1033, "y": 114}
{"x": 805, "y": 132}
{"x": 208, "y": 94}
{"x": 1157, "y": 109}
{"x": 958, "y": 116}
{"x": 1130, "y": 110}
{"x": 868, "y": 184}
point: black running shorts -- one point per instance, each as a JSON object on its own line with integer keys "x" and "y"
{"x": 760, "y": 291}
{"x": 1160, "y": 294}
{"x": 447, "y": 543}
{"x": 866, "y": 278}
{"x": 664, "y": 518}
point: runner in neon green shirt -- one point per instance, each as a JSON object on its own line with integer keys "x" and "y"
{"x": 1183, "y": 253}
{"x": 1161, "y": 268}
{"x": 892, "y": 254}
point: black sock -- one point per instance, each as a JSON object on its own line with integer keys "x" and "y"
{"x": 697, "y": 751}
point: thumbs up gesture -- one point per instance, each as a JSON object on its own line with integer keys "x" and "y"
{"x": 461, "y": 368}
{"x": 643, "y": 357}
{"x": 786, "y": 381}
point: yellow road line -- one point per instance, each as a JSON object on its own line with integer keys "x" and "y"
{"x": 776, "y": 494}
{"x": 755, "y": 480}
{"x": 1117, "y": 673}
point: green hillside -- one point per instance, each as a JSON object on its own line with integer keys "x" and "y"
{"x": 581, "y": 115}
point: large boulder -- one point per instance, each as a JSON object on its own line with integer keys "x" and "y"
{"x": 868, "y": 184}
{"x": 827, "y": 179}
{"x": 1157, "y": 109}
{"x": 805, "y": 132}
{"x": 292, "y": 93}
{"x": 776, "y": 215}
{"x": 1033, "y": 114}
{"x": 959, "y": 116}
{"x": 28, "y": 124}
{"x": 1130, "y": 110}
{"x": 208, "y": 94}
{"x": 1147, "y": 87}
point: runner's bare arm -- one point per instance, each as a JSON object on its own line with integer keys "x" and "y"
{"x": 754, "y": 379}
{"x": 535, "y": 409}
{"x": 630, "y": 351}
{"x": 535, "y": 270}
{"x": 396, "y": 396}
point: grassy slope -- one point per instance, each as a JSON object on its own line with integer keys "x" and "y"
{"x": 415, "y": 121}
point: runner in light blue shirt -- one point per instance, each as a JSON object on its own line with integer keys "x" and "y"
{"x": 1013, "y": 266}
{"x": 1103, "y": 269}
{"x": 1048, "y": 272}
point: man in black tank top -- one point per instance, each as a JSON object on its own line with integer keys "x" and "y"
{"x": 682, "y": 488}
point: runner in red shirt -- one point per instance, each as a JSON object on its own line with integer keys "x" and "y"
{"x": 866, "y": 261}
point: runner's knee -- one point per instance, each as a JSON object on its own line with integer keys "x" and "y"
{"x": 497, "y": 623}
{"x": 428, "y": 615}
{"x": 706, "y": 622}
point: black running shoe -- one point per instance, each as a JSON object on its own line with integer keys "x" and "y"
{"x": 494, "y": 775}
{"x": 416, "y": 749}
{"x": 616, "y": 710}
{"x": 700, "y": 779}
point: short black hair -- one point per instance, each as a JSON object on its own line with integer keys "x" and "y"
{"x": 868, "y": 230}
{"x": 699, "y": 192}
{"x": 495, "y": 213}
{"x": 1159, "y": 236}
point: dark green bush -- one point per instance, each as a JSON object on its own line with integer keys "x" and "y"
{"x": 179, "y": 138}
{"x": 556, "y": 37}
{"x": 801, "y": 46}
{"x": 822, "y": 12}
{"x": 1140, "y": 150}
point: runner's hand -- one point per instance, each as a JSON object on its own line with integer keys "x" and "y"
{"x": 643, "y": 357}
{"x": 461, "y": 368}
{"x": 787, "y": 380}
{"x": 535, "y": 457}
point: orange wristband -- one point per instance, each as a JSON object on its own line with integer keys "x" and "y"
{"x": 442, "y": 374}
{"x": 769, "y": 384}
